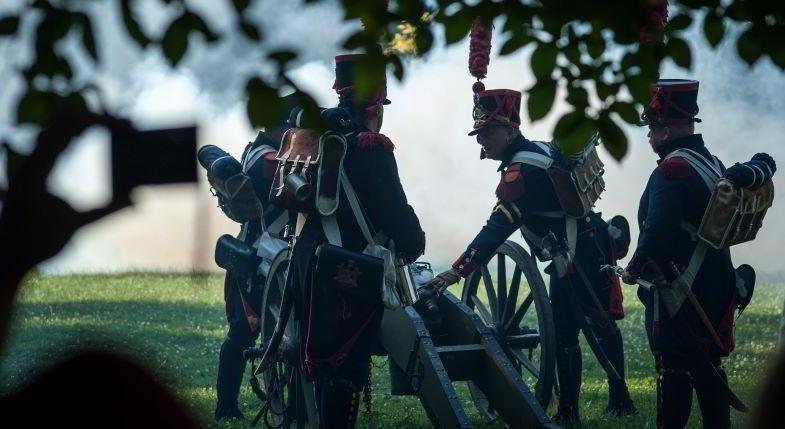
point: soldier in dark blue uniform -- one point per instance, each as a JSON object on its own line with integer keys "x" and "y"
{"x": 527, "y": 198}
{"x": 671, "y": 208}
{"x": 339, "y": 332}
{"x": 242, "y": 294}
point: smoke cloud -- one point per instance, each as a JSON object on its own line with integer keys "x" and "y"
{"x": 449, "y": 186}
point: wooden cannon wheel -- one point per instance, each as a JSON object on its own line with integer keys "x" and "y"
{"x": 291, "y": 398}
{"x": 524, "y": 331}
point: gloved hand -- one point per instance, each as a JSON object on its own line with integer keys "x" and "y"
{"x": 629, "y": 277}
{"x": 444, "y": 279}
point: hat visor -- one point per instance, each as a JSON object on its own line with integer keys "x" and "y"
{"x": 476, "y": 131}
{"x": 386, "y": 102}
{"x": 647, "y": 122}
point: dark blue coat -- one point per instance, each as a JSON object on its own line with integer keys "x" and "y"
{"x": 331, "y": 321}
{"x": 524, "y": 191}
{"x": 675, "y": 193}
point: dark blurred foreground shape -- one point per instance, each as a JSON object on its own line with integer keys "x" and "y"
{"x": 94, "y": 389}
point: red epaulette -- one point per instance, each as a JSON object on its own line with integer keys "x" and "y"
{"x": 675, "y": 168}
{"x": 511, "y": 186}
{"x": 269, "y": 165}
{"x": 368, "y": 139}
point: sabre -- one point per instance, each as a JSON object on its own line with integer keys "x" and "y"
{"x": 705, "y": 369}
{"x": 561, "y": 260}
{"x": 619, "y": 271}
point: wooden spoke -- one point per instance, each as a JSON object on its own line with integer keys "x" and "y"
{"x": 501, "y": 281}
{"x": 512, "y": 298}
{"x": 491, "y": 293}
{"x": 515, "y": 320}
{"x": 275, "y": 309}
{"x": 525, "y": 362}
{"x": 481, "y": 308}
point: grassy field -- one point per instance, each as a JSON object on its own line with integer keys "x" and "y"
{"x": 175, "y": 324}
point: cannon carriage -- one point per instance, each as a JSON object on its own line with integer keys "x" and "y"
{"x": 498, "y": 337}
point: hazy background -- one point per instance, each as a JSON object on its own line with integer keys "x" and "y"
{"x": 174, "y": 228}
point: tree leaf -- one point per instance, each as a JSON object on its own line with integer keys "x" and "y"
{"x": 679, "y": 23}
{"x": 369, "y": 76}
{"x": 423, "y": 39}
{"x": 748, "y": 47}
{"x": 175, "y": 41}
{"x": 33, "y": 107}
{"x": 88, "y": 38}
{"x": 638, "y": 85}
{"x": 595, "y": 45}
{"x": 457, "y": 26}
{"x": 543, "y": 60}
{"x": 282, "y": 57}
{"x": 13, "y": 160}
{"x": 397, "y": 64}
{"x": 518, "y": 40}
{"x": 132, "y": 25}
{"x": 612, "y": 137}
{"x": 713, "y": 29}
{"x": 250, "y": 30}
{"x": 605, "y": 90}
{"x": 540, "y": 99}
{"x": 264, "y": 106}
{"x": 196, "y": 23}
{"x": 678, "y": 50}
{"x": 626, "y": 111}
{"x": 577, "y": 96}
{"x": 36, "y": 107}
{"x": 9, "y": 25}
{"x": 241, "y": 5}
{"x": 573, "y": 130}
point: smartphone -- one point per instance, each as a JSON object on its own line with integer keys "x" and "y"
{"x": 153, "y": 157}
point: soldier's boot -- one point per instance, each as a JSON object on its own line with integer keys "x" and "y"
{"x": 619, "y": 401}
{"x": 231, "y": 364}
{"x": 568, "y": 371}
{"x": 339, "y": 402}
{"x": 674, "y": 397}
{"x": 714, "y": 405}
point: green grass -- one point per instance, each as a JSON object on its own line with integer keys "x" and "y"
{"x": 175, "y": 325}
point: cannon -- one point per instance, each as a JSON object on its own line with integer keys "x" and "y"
{"x": 498, "y": 337}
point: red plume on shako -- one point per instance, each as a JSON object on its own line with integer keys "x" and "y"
{"x": 479, "y": 52}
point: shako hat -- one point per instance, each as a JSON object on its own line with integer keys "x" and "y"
{"x": 673, "y": 101}
{"x": 496, "y": 107}
{"x": 345, "y": 79}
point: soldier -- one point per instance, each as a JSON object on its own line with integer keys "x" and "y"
{"x": 340, "y": 331}
{"x": 242, "y": 295}
{"x": 685, "y": 348}
{"x": 528, "y": 199}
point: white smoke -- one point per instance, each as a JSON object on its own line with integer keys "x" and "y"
{"x": 449, "y": 186}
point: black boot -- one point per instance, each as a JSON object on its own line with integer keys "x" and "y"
{"x": 619, "y": 401}
{"x": 230, "y": 376}
{"x": 339, "y": 401}
{"x": 714, "y": 405}
{"x": 568, "y": 370}
{"x": 674, "y": 396}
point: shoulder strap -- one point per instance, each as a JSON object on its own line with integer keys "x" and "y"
{"x": 254, "y": 155}
{"x": 710, "y": 172}
{"x": 354, "y": 203}
{"x": 532, "y": 158}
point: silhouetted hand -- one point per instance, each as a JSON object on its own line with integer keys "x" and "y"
{"x": 34, "y": 224}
